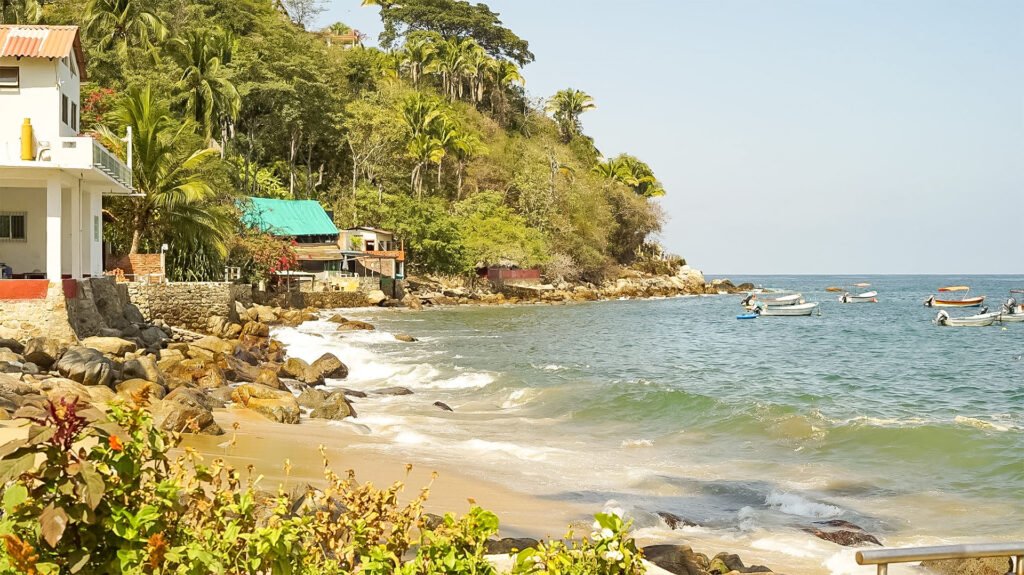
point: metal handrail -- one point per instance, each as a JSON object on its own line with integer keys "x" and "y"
{"x": 108, "y": 163}
{"x": 884, "y": 557}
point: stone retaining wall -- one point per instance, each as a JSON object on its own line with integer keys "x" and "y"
{"x": 318, "y": 300}
{"x": 24, "y": 319}
{"x": 188, "y": 304}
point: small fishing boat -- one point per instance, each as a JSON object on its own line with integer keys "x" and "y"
{"x": 1012, "y": 311}
{"x": 786, "y": 300}
{"x": 835, "y": 289}
{"x": 800, "y": 309}
{"x": 980, "y": 320}
{"x": 866, "y": 297}
{"x": 964, "y": 301}
{"x": 749, "y": 315}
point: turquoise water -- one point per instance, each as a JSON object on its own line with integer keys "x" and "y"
{"x": 868, "y": 413}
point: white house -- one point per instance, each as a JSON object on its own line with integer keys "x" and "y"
{"x": 52, "y": 179}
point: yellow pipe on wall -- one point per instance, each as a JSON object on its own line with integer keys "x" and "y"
{"x": 27, "y": 150}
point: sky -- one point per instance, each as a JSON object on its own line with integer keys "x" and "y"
{"x": 801, "y": 136}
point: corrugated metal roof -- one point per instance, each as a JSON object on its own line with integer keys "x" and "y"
{"x": 22, "y": 41}
{"x": 288, "y": 217}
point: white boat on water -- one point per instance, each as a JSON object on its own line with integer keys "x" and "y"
{"x": 979, "y": 320}
{"x": 786, "y": 300}
{"x": 1012, "y": 311}
{"x": 866, "y": 297}
{"x": 800, "y": 309}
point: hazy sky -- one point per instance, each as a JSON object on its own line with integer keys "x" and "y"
{"x": 801, "y": 136}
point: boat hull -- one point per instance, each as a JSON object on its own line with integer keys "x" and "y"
{"x": 1011, "y": 317}
{"x": 866, "y": 297}
{"x": 968, "y": 302}
{"x": 981, "y": 320}
{"x": 797, "y": 310}
{"x": 784, "y": 301}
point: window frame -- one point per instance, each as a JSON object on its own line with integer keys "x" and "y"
{"x": 10, "y": 237}
{"x": 65, "y": 105}
{"x": 17, "y": 78}
{"x": 74, "y": 115}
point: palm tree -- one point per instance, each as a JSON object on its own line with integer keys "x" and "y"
{"x": 465, "y": 146}
{"x": 122, "y": 24}
{"x": 21, "y": 11}
{"x": 452, "y": 62}
{"x": 173, "y": 190}
{"x": 503, "y": 75}
{"x": 632, "y": 172}
{"x": 423, "y": 149}
{"x": 476, "y": 67}
{"x": 421, "y": 113}
{"x": 445, "y": 131}
{"x": 566, "y": 106}
{"x": 418, "y": 55}
{"x": 208, "y": 96}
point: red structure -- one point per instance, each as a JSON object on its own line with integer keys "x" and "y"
{"x": 502, "y": 274}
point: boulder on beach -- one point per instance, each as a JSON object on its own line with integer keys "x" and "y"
{"x": 405, "y": 337}
{"x": 12, "y": 345}
{"x": 355, "y": 325}
{"x": 110, "y": 345}
{"x": 391, "y": 391}
{"x": 185, "y": 410}
{"x": 674, "y": 521}
{"x": 275, "y": 405}
{"x": 133, "y": 388}
{"x": 678, "y": 559}
{"x": 509, "y": 545}
{"x": 43, "y": 351}
{"x": 214, "y": 345}
{"x": 311, "y": 398}
{"x": 730, "y": 562}
{"x": 376, "y": 297}
{"x": 335, "y": 407}
{"x": 330, "y": 366}
{"x": 842, "y": 533}
{"x": 87, "y": 366}
{"x": 144, "y": 367}
{"x": 338, "y": 318}
{"x": 442, "y": 406}
{"x": 298, "y": 369}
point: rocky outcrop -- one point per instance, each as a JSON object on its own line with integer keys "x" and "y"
{"x": 86, "y": 366}
{"x": 681, "y": 560}
{"x": 354, "y": 325}
{"x": 275, "y": 405}
{"x": 842, "y": 533}
{"x": 185, "y": 410}
{"x": 43, "y": 351}
{"x": 335, "y": 407}
{"x": 299, "y": 370}
{"x": 110, "y": 345}
{"x": 404, "y": 337}
{"x": 989, "y": 566}
{"x": 330, "y": 366}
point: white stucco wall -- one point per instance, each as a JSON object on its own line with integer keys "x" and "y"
{"x": 39, "y": 99}
{"x": 29, "y": 255}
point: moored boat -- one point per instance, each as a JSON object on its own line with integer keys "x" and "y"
{"x": 866, "y": 297}
{"x": 965, "y": 301}
{"x": 1012, "y": 311}
{"x": 980, "y": 320}
{"x": 786, "y": 300}
{"x": 800, "y": 309}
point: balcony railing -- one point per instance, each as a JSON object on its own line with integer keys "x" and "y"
{"x": 105, "y": 161}
{"x": 89, "y": 153}
{"x": 390, "y": 254}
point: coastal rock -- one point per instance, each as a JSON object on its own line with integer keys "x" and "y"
{"x": 275, "y": 405}
{"x": 213, "y": 344}
{"x": 406, "y": 338}
{"x": 110, "y": 345}
{"x": 190, "y": 395}
{"x": 842, "y": 533}
{"x": 9, "y": 356}
{"x": 56, "y": 387}
{"x": 678, "y": 559}
{"x": 355, "y": 325}
{"x": 311, "y": 398}
{"x": 335, "y": 407}
{"x": 184, "y": 412}
{"x": 255, "y": 374}
{"x": 412, "y": 302}
{"x": 12, "y": 345}
{"x": 302, "y": 371}
{"x": 87, "y": 366}
{"x": 330, "y": 366}
{"x": 391, "y": 391}
{"x": 442, "y": 406}
{"x": 138, "y": 388}
{"x": 988, "y": 566}
{"x": 674, "y": 521}
{"x": 255, "y": 329}
{"x": 43, "y": 351}
{"x": 338, "y": 318}
{"x": 724, "y": 563}
{"x": 198, "y": 372}
{"x": 350, "y": 393}
{"x": 376, "y": 297}
{"x": 509, "y": 545}
{"x": 153, "y": 336}
{"x": 144, "y": 367}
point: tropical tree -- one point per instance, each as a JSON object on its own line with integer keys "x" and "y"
{"x": 465, "y": 146}
{"x": 503, "y": 75}
{"x": 206, "y": 93}
{"x": 630, "y": 171}
{"x": 452, "y": 64}
{"x": 423, "y": 149}
{"x": 566, "y": 106}
{"x": 122, "y": 24}
{"x": 21, "y": 11}
{"x": 174, "y": 190}
{"x": 418, "y": 54}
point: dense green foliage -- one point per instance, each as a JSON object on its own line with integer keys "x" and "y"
{"x": 97, "y": 493}
{"x": 435, "y": 137}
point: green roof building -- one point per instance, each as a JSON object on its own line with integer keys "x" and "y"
{"x": 304, "y": 220}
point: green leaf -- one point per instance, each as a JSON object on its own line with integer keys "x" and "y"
{"x": 38, "y": 434}
{"x": 93, "y": 488}
{"x": 11, "y": 468}
{"x": 11, "y": 447}
{"x": 14, "y": 496}
{"x": 78, "y": 559}
{"x": 52, "y": 522}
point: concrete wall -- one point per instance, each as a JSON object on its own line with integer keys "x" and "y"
{"x": 187, "y": 304}
{"x": 28, "y": 318}
{"x": 39, "y": 99}
{"x": 29, "y": 255}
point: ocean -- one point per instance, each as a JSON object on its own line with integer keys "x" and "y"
{"x": 752, "y": 430}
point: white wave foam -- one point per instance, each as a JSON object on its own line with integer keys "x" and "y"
{"x": 637, "y": 443}
{"x": 472, "y": 380}
{"x": 503, "y": 447}
{"x": 549, "y": 367}
{"x": 519, "y": 398}
{"x": 793, "y": 504}
{"x": 979, "y": 423}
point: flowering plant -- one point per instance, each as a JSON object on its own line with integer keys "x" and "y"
{"x": 609, "y": 550}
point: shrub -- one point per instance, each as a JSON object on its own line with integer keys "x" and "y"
{"x": 607, "y": 551}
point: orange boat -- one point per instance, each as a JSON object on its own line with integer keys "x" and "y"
{"x": 965, "y": 301}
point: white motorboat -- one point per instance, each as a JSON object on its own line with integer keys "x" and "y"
{"x": 1012, "y": 311}
{"x": 866, "y": 297}
{"x": 980, "y": 320}
{"x": 786, "y": 300}
{"x": 800, "y": 309}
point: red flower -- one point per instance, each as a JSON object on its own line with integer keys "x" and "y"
{"x": 115, "y": 443}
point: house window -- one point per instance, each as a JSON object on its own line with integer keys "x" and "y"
{"x": 74, "y": 116}
{"x": 10, "y": 77}
{"x": 64, "y": 109}
{"x": 12, "y": 226}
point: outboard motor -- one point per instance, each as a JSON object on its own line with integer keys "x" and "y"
{"x": 845, "y": 298}
{"x": 930, "y": 302}
{"x": 746, "y": 301}
{"x": 941, "y": 318}
{"x": 983, "y": 311}
{"x": 1011, "y": 306}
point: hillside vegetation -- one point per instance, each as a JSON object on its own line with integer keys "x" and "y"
{"x": 433, "y": 136}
